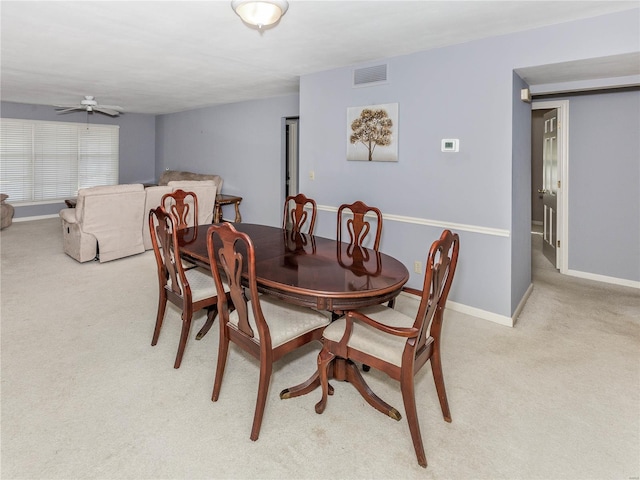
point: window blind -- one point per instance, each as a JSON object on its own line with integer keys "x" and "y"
{"x": 45, "y": 161}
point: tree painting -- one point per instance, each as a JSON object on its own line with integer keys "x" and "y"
{"x": 373, "y": 128}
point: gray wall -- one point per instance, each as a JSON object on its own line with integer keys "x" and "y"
{"x": 604, "y": 184}
{"x": 137, "y": 145}
{"x": 520, "y": 195}
{"x": 468, "y": 92}
{"x": 242, "y": 142}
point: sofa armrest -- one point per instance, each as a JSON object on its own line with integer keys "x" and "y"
{"x": 68, "y": 215}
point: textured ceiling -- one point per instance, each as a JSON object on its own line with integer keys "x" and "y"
{"x": 170, "y": 56}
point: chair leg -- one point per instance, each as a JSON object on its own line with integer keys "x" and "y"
{"x": 162, "y": 305}
{"x": 184, "y": 335}
{"x": 438, "y": 378}
{"x": 325, "y": 357}
{"x": 266, "y": 366}
{"x": 223, "y": 349}
{"x": 409, "y": 399}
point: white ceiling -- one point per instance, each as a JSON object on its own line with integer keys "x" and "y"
{"x": 167, "y": 56}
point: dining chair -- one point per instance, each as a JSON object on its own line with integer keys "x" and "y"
{"x": 395, "y": 343}
{"x": 190, "y": 289}
{"x": 298, "y": 210}
{"x": 352, "y": 218}
{"x": 265, "y": 327}
{"x": 183, "y": 206}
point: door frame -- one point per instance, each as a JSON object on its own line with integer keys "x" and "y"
{"x": 563, "y": 177}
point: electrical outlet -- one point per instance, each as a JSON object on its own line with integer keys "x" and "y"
{"x": 417, "y": 266}
{"x": 312, "y": 175}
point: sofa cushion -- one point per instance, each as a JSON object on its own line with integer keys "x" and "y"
{"x": 175, "y": 175}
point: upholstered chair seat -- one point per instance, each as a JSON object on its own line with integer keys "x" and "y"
{"x": 286, "y": 321}
{"x": 372, "y": 341}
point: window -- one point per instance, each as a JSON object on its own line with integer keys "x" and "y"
{"x": 41, "y": 162}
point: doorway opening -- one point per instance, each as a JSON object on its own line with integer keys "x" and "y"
{"x": 550, "y": 179}
{"x": 291, "y": 157}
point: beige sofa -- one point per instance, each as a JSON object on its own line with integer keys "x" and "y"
{"x": 176, "y": 175}
{"x": 111, "y": 222}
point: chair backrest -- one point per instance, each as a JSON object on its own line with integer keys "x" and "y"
{"x": 205, "y": 190}
{"x": 164, "y": 238}
{"x": 232, "y": 252}
{"x": 358, "y": 226}
{"x": 296, "y": 217}
{"x": 439, "y": 271}
{"x": 183, "y": 206}
{"x": 114, "y": 214}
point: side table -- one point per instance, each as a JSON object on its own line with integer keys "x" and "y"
{"x": 222, "y": 200}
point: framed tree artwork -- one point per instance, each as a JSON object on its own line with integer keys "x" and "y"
{"x": 372, "y": 133}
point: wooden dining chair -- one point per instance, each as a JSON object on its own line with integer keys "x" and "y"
{"x": 190, "y": 289}
{"x": 183, "y": 206}
{"x": 352, "y": 218}
{"x": 395, "y": 343}
{"x": 299, "y": 214}
{"x": 263, "y": 326}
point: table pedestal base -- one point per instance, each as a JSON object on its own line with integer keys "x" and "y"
{"x": 346, "y": 371}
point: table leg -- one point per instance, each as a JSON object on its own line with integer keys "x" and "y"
{"x": 346, "y": 371}
{"x": 305, "y": 387}
{"x": 238, "y": 216}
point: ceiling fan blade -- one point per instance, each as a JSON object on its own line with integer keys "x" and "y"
{"x": 68, "y": 106}
{"x": 107, "y": 111}
{"x": 70, "y": 109}
{"x": 111, "y": 107}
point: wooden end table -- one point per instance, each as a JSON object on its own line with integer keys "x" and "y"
{"x": 222, "y": 200}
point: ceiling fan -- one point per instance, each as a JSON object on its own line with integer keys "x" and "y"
{"x": 90, "y": 105}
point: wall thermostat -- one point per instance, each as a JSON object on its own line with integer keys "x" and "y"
{"x": 450, "y": 145}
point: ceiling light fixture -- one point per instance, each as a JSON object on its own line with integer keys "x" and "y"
{"x": 260, "y": 14}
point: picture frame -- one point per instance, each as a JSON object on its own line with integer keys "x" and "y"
{"x": 372, "y": 133}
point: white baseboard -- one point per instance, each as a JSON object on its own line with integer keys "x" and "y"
{"x": 603, "y": 278}
{"x": 525, "y": 297}
{"x": 483, "y": 314}
{"x": 37, "y": 217}
{"x": 476, "y": 312}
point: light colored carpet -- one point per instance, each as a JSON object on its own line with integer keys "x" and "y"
{"x": 84, "y": 395}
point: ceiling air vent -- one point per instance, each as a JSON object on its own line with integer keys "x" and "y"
{"x": 369, "y": 75}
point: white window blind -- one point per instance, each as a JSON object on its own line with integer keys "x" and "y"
{"x": 45, "y": 161}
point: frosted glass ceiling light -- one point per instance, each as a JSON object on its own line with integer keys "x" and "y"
{"x": 260, "y": 14}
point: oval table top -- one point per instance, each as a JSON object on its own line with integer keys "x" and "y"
{"x": 309, "y": 270}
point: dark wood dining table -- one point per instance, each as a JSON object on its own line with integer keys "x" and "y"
{"x": 311, "y": 271}
{"x": 314, "y": 272}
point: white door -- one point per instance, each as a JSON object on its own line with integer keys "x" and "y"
{"x": 550, "y": 186}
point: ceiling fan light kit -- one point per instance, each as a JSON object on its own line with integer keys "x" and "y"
{"x": 90, "y": 105}
{"x": 260, "y": 14}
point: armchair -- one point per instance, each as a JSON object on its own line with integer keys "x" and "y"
{"x": 106, "y": 223}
